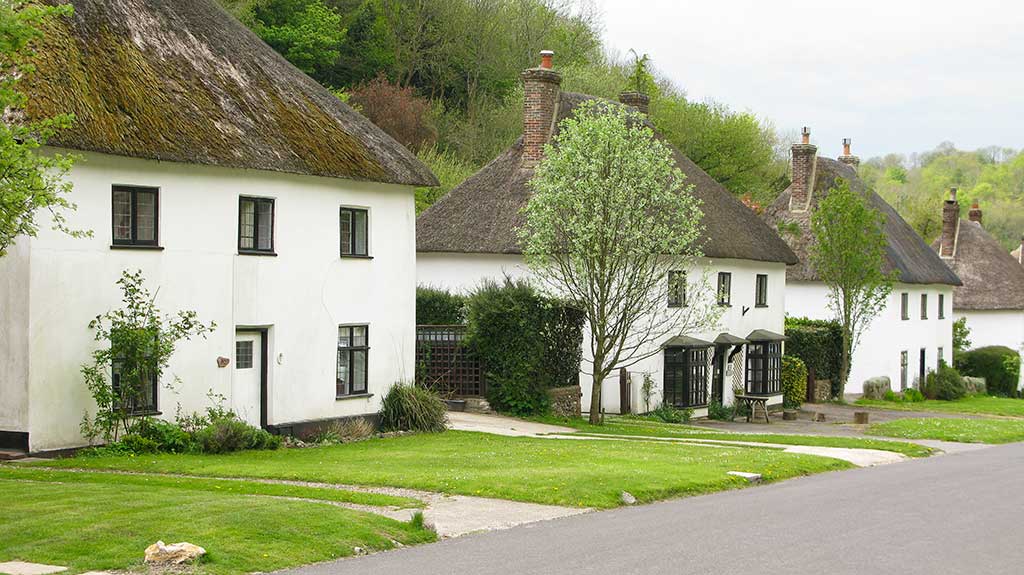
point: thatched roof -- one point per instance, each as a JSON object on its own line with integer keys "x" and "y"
{"x": 482, "y": 214}
{"x": 907, "y": 253}
{"x": 184, "y": 81}
{"x": 992, "y": 278}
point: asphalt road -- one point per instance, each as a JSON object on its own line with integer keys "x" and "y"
{"x": 961, "y": 514}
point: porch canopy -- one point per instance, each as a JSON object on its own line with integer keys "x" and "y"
{"x": 686, "y": 342}
{"x": 725, "y": 338}
{"x": 763, "y": 335}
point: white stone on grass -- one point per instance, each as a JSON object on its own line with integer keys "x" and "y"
{"x": 23, "y": 568}
{"x": 174, "y": 554}
{"x": 750, "y": 477}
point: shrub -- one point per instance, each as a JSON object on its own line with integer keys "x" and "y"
{"x": 669, "y": 414}
{"x": 397, "y": 110}
{"x": 945, "y": 384}
{"x": 165, "y": 435}
{"x": 890, "y": 395}
{"x": 999, "y": 366}
{"x": 526, "y": 343}
{"x": 912, "y": 395}
{"x": 138, "y": 445}
{"x": 720, "y": 412}
{"x": 412, "y": 408}
{"x": 794, "y": 381}
{"x": 225, "y": 435}
{"x": 341, "y": 431}
{"x": 439, "y": 307}
{"x": 819, "y": 344}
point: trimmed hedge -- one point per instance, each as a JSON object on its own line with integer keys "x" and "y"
{"x": 999, "y": 365}
{"x": 819, "y": 344}
{"x": 527, "y": 344}
{"x": 794, "y": 381}
{"x": 439, "y": 307}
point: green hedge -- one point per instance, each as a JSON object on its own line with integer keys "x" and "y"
{"x": 819, "y": 344}
{"x": 794, "y": 381}
{"x": 439, "y": 307}
{"x": 527, "y": 343}
{"x": 999, "y": 365}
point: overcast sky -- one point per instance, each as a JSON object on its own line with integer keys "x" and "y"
{"x": 896, "y": 75}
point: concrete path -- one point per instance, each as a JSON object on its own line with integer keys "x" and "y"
{"x": 938, "y": 516}
{"x": 501, "y": 425}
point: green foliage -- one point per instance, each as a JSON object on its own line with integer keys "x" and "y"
{"x": 794, "y": 381}
{"x": 913, "y": 396}
{"x": 138, "y": 445}
{"x": 961, "y": 335}
{"x": 141, "y": 342}
{"x": 818, "y": 343}
{"x": 669, "y": 414}
{"x": 306, "y": 32}
{"x": 30, "y": 182}
{"x": 997, "y": 364}
{"x": 527, "y": 343}
{"x": 166, "y": 436}
{"x": 411, "y": 408}
{"x": 647, "y": 391}
{"x": 944, "y": 383}
{"x": 227, "y": 435}
{"x": 608, "y": 204}
{"x": 848, "y": 253}
{"x": 435, "y": 306}
{"x": 640, "y": 79}
{"x": 450, "y": 170}
{"x": 720, "y": 412}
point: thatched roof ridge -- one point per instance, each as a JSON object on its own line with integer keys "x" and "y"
{"x": 184, "y": 81}
{"x": 907, "y": 254}
{"x": 482, "y": 214}
{"x": 992, "y": 278}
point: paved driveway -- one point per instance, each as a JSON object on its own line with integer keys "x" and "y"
{"x": 955, "y": 514}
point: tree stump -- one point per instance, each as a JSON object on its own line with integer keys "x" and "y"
{"x": 819, "y": 417}
{"x": 860, "y": 417}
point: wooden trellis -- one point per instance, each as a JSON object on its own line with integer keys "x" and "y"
{"x": 445, "y": 365}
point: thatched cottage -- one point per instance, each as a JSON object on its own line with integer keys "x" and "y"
{"x": 244, "y": 191}
{"x": 470, "y": 234}
{"x": 915, "y": 330}
{"x": 992, "y": 295}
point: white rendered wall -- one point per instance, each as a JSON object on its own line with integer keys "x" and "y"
{"x": 302, "y": 295}
{"x": 14, "y": 305}
{"x": 463, "y": 272}
{"x": 878, "y": 352}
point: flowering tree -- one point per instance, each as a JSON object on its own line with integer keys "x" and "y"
{"x": 610, "y": 216}
{"x": 848, "y": 253}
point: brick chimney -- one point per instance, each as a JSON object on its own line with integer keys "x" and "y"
{"x": 975, "y": 213}
{"x": 804, "y": 164}
{"x": 540, "y": 97}
{"x": 638, "y": 100}
{"x": 950, "y": 221}
{"x": 848, "y": 158}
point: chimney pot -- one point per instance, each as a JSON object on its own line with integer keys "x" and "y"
{"x": 846, "y": 146}
{"x": 950, "y": 221}
{"x": 806, "y": 135}
{"x": 540, "y": 101}
{"x": 848, "y": 158}
{"x": 975, "y": 214}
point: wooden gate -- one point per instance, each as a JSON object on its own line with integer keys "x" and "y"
{"x": 445, "y": 365}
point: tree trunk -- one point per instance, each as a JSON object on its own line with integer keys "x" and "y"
{"x": 595, "y": 398}
{"x": 844, "y": 365}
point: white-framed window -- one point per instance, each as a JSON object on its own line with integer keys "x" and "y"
{"x": 355, "y": 232}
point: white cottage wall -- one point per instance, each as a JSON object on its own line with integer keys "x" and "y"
{"x": 301, "y": 295}
{"x": 14, "y": 344}
{"x": 879, "y": 352}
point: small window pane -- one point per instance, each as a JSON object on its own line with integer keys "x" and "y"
{"x": 346, "y": 232}
{"x": 243, "y": 355}
{"x": 344, "y": 368}
{"x": 145, "y": 213}
{"x": 247, "y": 223}
{"x": 359, "y": 336}
{"x": 264, "y": 225}
{"x": 344, "y": 337}
{"x": 122, "y": 215}
{"x": 360, "y": 235}
{"x": 359, "y": 371}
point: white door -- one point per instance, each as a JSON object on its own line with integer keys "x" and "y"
{"x": 246, "y": 388}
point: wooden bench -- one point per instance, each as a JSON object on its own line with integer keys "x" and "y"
{"x": 751, "y": 401}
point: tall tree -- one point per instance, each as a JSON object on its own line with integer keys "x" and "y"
{"x": 30, "y": 181}
{"x": 306, "y": 32}
{"x": 848, "y": 253}
{"x": 609, "y": 218}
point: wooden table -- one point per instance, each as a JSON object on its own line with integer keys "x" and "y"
{"x": 752, "y": 401}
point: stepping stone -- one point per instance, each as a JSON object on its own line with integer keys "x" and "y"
{"x": 750, "y": 477}
{"x": 23, "y": 568}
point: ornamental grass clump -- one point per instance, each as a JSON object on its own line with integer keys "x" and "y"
{"x": 408, "y": 407}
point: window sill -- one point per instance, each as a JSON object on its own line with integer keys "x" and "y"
{"x": 136, "y": 247}
{"x": 353, "y": 396}
{"x": 724, "y": 305}
{"x": 256, "y": 253}
{"x": 761, "y": 305}
{"x": 355, "y": 257}
{"x": 145, "y": 413}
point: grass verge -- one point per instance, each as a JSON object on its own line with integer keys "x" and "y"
{"x": 961, "y": 430}
{"x": 550, "y": 471}
{"x": 224, "y": 486}
{"x": 975, "y": 405}
{"x": 646, "y": 427}
{"x": 106, "y": 526}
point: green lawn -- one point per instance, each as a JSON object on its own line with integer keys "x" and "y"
{"x": 962, "y": 430}
{"x": 563, "y": 472}
{"x": 978, "y": 405}
{"x": 646, "y": 427}
{"x": 98, "y": 525}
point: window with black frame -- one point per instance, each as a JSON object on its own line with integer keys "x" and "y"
{"x": 256, "y": 225}
{"x": 764, "y": 368}
{"x": 140, "y": 401}
{"x": 761, "y": 291}
{"x": 676, "y": 289}
{"x": 686, "y": 377}
{"x": 354, "y": 232}
{"x": 724, "y": 288}
{"x": 134, "y": 216}
{"x": 353, "y": 351}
